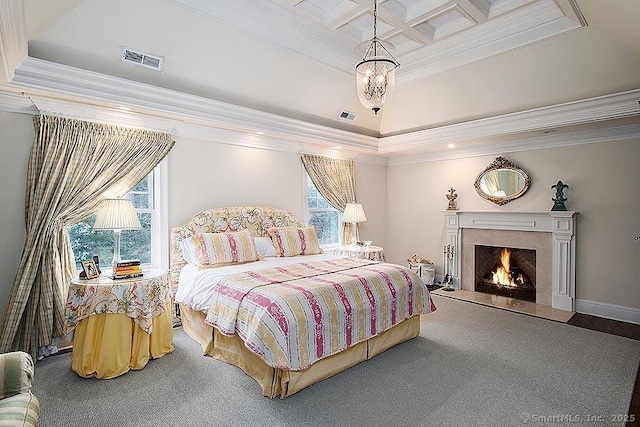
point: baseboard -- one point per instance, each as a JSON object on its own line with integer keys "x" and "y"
{"x": 609, "y": 311}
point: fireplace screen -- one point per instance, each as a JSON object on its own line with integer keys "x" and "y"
{"x": 509, "y": 272}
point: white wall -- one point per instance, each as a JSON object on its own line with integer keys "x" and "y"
{"x": 603, "y": 180}
{"x": 16, "y": 137}
{"x": 403, "y": 203}
{"x": 206, "y": 174}
{"x": 371, "y": 191}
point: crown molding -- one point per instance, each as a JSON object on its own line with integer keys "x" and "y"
{"x": 13, "y": 37}
{"x": 32, "y": 105}
{"x": 16, "y": 103}
{"x": 76, "y": 110}
{"x": 36, "y": 77}
{"x": 612, "y": 134}
{"x": 41, "y": 86}
{"x": 531, "y": 24}
{"x": 601, "y": 108}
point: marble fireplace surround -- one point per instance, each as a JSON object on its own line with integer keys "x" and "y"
{"x": 551, "y": 234}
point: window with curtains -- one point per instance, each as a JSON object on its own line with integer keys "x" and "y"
{"x": 140, "y": 244}
{"x": 326, "y": 218}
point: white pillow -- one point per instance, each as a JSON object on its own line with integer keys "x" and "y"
{"x": 189, "y": 252}
{"x": 264, "y": 246}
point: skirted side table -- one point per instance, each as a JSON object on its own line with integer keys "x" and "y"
{"x": 119, "y": 324}
{"x": 373, "y": 253}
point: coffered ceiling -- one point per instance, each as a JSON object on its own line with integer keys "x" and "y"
{"x": 430, "y": 36}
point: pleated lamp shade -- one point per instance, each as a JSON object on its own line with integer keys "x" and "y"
{"x": 117, "y": 214}
{"x": 353, "y": 212}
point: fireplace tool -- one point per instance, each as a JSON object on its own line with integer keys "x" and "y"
{"x": 447, "y": 255}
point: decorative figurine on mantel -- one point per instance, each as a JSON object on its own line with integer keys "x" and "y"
{"x": 558, "y": 202}
{"x": 452, "y": 196}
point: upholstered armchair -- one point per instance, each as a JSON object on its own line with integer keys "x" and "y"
{"x": 18, "y": 406}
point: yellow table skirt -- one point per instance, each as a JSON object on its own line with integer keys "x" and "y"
{"x": 108, "y": 345}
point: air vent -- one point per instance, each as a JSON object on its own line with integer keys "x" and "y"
{"x": 345, "y": 115}
{"x": 141, "y": 58}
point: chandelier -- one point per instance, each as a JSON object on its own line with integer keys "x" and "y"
{"x": 376, "y": 73}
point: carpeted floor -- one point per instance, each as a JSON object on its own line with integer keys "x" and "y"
{"x": 471, "y": 365}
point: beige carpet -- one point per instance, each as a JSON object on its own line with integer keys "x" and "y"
{"x": 471, "y": 366}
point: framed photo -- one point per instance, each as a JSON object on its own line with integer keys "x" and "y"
{"x": 90, "y": 269}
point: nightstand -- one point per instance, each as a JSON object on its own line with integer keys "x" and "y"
{"x": 373, "y": 253}
{"x": 119, "y": 324}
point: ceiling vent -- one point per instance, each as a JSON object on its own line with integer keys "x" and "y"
{"x": 141, "y": 58}
{"x": 345, "y": 115}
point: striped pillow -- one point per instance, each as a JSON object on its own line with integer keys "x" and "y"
{"x": 218, "y": 249}
{"x": 290, "y": 241}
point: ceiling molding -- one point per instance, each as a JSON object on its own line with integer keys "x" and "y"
{"x": 601, "y": 108}
{"x": 33, "y": 105}
{"x": 41, "y": 86}
{"x": 612, "y": 134}
{"x": 121, "y": 117}
{"x": 37, "y": 77}
{"x": 265, "y": 142}
{"x": 16, "y": 103}
{"x": 490, "y": 29}
{"x": 13, "y": 37}
{"x": 528, "y": 25}
{"x": 275, "y": 25}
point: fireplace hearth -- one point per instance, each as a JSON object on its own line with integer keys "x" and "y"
{"x": 509, "y": 272}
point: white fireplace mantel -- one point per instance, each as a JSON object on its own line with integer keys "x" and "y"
{"x": 562, "y": 225}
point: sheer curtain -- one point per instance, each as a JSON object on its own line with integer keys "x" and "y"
{"x": 73, "y": 166}
{"x": 335, "y": 179}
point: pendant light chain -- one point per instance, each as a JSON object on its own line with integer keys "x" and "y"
{"x": 375, "y": 27}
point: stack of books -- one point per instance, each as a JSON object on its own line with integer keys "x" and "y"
{"x": 127, "y": 269}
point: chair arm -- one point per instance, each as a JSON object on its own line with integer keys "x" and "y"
{"x": 16, "y": 373}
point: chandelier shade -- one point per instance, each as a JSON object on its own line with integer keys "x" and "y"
{"x": 376, "y": 73}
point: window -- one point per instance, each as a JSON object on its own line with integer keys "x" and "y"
{"x": 326, "y": 218}
{"x": 144, "y": 244}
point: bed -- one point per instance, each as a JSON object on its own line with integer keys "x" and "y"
{"x": 288, "y": 321}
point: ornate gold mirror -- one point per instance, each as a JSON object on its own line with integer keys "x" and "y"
{"x": 502, "y": 182}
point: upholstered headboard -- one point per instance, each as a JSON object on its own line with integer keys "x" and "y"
{"x": 255, "y": 219}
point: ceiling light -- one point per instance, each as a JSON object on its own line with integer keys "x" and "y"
{"x": 376, "y": 73}
{"x": 451, "y": 145}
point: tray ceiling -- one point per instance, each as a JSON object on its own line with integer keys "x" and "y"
{"x": 430, "y": 36}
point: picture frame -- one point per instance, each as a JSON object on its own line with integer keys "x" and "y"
{"x": 90, "y": 269}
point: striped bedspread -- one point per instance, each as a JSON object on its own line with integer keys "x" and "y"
{"x": 295, "y": 315}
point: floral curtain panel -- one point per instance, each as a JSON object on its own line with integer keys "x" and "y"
{"x": 73, "y": 166}
{"x": 335, "y": 179}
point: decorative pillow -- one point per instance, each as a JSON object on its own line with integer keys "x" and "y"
{"x": 264, "y": 246}
{"x": 16, "y": 373}
{"x": 217, "y": 249}
{"x": 290, "y": 241}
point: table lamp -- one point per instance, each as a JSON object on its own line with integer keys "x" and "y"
{"x": 354, "y": 214}
{"x": 117, "y": 215}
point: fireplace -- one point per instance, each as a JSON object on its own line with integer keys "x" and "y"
{"x": 508, "y": 272}
{"x": 549, "y": 234}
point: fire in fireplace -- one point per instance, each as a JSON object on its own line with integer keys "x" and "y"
{"x": 506, "y": 272}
